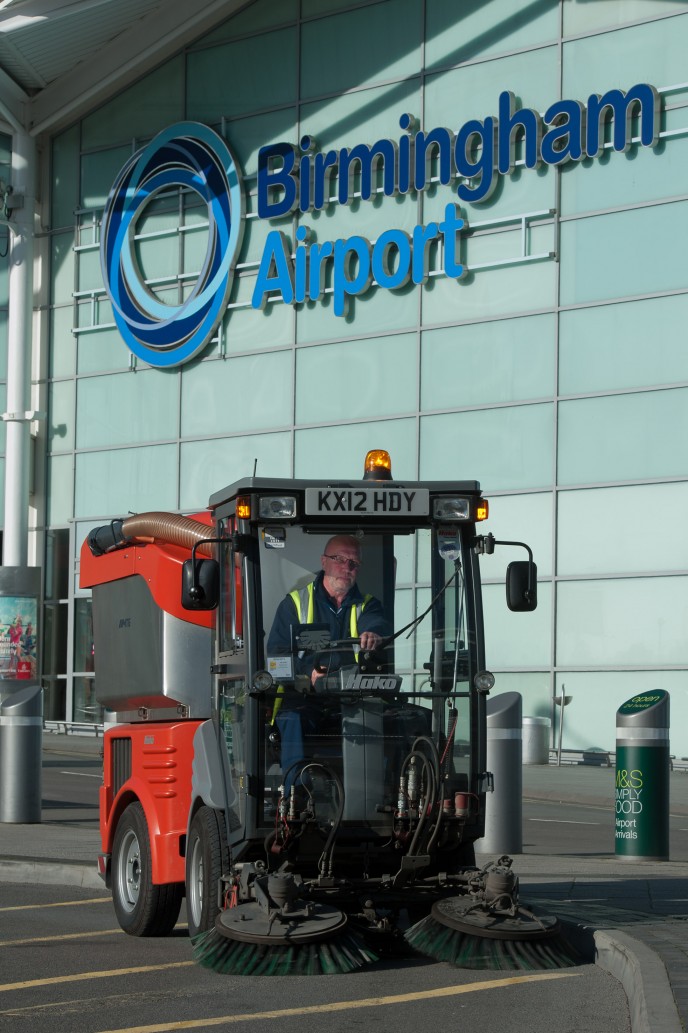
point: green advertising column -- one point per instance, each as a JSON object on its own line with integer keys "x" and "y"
{"x": 642, "y": 777}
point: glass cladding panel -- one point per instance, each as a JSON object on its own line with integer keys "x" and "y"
{"x": 262, "y": 15}
{"x": 62, "y": 268}
{"x": 99, "y": 170}
{"x": 55, "y": 639}
{"x": 342, "y": 450}
{"x": 622, "y": 517}
{"x": 250, "y": 393}
{"x": 601, "y": 693}
{"x": 602, "y": 14}
{"x": 473, "y": 29}
{"x": 241, "y": 68}
{"x": 607, "y": 347}
{"x": 623, "y": 437}
{"x": 60, "y": 479}
{"x": 131, "y": 480}
{"x": 625, "y": 621}
{"x": 532, "y": 77}
{"x": 497, "y": 361}
{"x": 248, "y": 329}
{"x": 360, "y": 117}
{"x": 535, "y": 688}
{"x": 613, "y": 59}
{"x": 83, "y": 635}
{"x": 343, "y": 381}
{"x": 366, "y": 218}
{"x": 320, "y": 7}
{"x": 517, "y": 639}
{"x": 344, "y": 51}
{"x": 141, "y": 111}
{"x": 207, "y": 466}
{"x": 126, "y": 408}
{"x": 519, "y": 518}
{"x": 521, "y": 192}
{"x": 62, "y": 342}
{"x": 65, "y": 177}
{"x": 89, "y": 273}
{"x": 86, "y": 706}
{"x": 57, "y": 564}
{"x": 504, "y": 448}
{"x": 601, "y": 257}
{"x": 491, "y": 292}
{"x": 256, "y": 233}
{"x": 3, "y": 343}
{"x": 642, "y": 174}
{"x": 102, "y": 350}
{"x": 376, "y": 311}
{"x": 246, "y": 136}
{"x": 61, "y": 421}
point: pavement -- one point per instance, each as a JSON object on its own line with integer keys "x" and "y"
{"x": 632, "y": 915}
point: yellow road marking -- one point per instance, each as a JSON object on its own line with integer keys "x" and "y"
{"x": 60, "y": 903}
{"x": 321, "y": 1009}
{"x": 62, "y": 936}
{"x": 78, "y": 977}
{"x": 69, "y": 936}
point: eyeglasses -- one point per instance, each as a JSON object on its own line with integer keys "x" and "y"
{"x": 344, "y": 561}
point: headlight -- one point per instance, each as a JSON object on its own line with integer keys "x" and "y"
{"x": 484, "y": 681}
{"x": 451, "y": 508}
{"x": 277, "y": 507}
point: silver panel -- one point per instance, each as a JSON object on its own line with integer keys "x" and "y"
{"x": 145, "y": 657}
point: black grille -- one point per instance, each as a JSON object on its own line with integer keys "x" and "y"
{"x": 121, "y": 763}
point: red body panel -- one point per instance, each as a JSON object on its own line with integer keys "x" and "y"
{"x": 159, "y": 564}
{"x": 160, "y": 779}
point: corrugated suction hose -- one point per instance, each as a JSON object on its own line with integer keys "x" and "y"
{"x": 169, "y": 528}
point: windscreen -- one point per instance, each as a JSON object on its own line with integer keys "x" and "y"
{"x": 367, "y": 639}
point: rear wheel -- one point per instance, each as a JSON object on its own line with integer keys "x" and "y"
{"x": 203, "y": 870}
{"x": 142, "y": 908}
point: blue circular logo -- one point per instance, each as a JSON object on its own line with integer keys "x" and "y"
{"x": 190, "y": 155}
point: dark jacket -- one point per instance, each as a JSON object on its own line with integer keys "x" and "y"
{"x": 325, "y": 612}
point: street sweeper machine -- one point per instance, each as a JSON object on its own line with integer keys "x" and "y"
{"x": 299, "y": 683}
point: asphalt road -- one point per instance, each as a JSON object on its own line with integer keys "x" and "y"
{"x": 68, "y": 968}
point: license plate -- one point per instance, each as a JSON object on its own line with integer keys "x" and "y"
{"x": 368, "y": 501}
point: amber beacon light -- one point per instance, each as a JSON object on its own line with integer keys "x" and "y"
{"x": 377, "y": 466}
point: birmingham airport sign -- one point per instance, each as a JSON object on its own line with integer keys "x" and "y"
{"x": 303, "y": 179}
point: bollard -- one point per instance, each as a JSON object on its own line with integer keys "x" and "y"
{"x": 21, "y": 741}
{"x": 642, "y": 777}
{"x": 536, "y": 740}
{"x": 503, "y": 807}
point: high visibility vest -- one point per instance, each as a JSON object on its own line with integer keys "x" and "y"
{"x": 303, "y": 601}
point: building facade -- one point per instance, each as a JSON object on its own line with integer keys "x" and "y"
{"x": 504, "y": 301}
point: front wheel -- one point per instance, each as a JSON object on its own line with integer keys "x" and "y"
{"x": 203, "y": 870}
{"x": 142, "y": 908}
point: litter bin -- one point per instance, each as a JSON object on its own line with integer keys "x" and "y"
{"x": 21, "y": 742}
{"x": 642, "y": 777}
{"x": 536, "y": 731}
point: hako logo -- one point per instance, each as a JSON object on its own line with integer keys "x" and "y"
{"x": 189, "y": 155}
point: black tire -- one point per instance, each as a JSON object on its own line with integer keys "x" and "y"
{"x": 142, "y": 908}
{"x": 203, "y": 870}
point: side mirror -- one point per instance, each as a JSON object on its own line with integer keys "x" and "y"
{"x": 521, "y": 586}
{"x": 200, "y": 584}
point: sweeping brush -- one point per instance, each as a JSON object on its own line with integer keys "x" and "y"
{"x": 472, "y": 937}
{"x": 344, "y": 952}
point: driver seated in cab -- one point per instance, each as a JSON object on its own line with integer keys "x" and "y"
{"x": 332, "y": 598}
